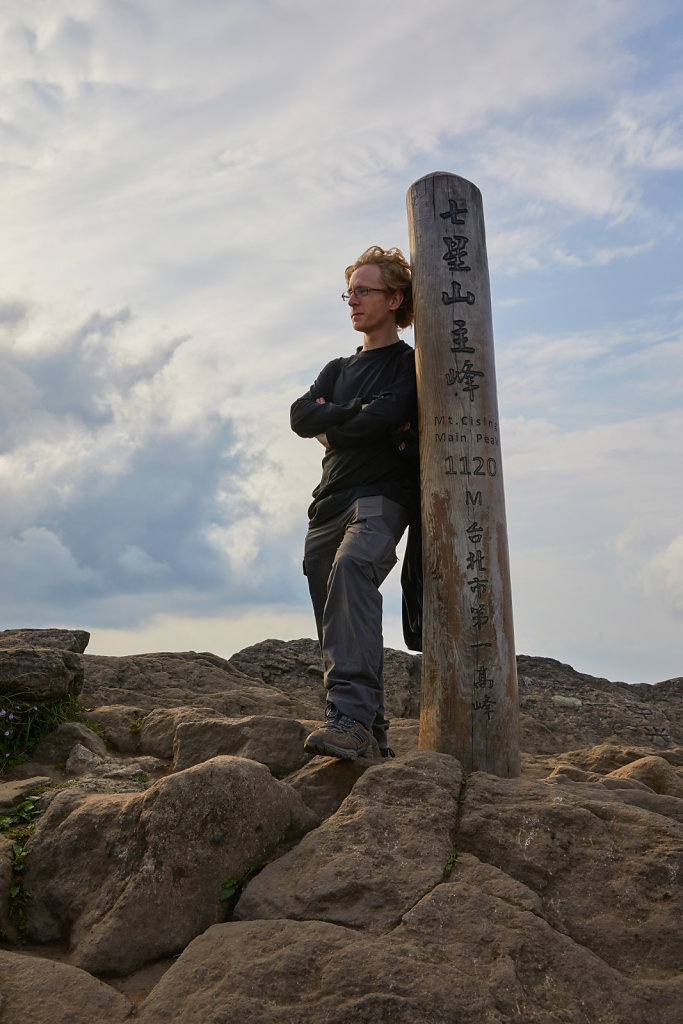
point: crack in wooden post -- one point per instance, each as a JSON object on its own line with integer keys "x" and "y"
{"x": 469, "y": 698}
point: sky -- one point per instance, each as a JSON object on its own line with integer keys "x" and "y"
{"x": 181, "y": 188}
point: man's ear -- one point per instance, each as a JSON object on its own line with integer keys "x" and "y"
{"x": 395, "y": 300}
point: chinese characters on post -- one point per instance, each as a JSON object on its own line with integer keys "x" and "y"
{"x": 469, "y": 703}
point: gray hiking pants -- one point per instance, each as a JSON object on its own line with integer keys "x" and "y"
{"x": 346, "y": 559}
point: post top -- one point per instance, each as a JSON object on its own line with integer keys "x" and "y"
{"x": 455, "y": 179}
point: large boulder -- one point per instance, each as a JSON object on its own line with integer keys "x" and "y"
{"x": 654, "y": 772}
{"x": 607, "y": 872}
{"x": 36, "y": 991}
{"x": 157, "y": 730}
{"x": 41, "y": 674}
{"x": 388, "y": 844}
{"x": 129, "y": 878}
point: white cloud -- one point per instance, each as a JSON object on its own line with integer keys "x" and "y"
{"x": 38, "y": 560}
{"x": 663, "y": 576}
{"x": 185, "y": 184}
{"x": 137, "y": 561}
{"x": 221, "y": 634}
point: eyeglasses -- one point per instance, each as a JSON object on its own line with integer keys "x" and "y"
{"x": 360, "y": 293}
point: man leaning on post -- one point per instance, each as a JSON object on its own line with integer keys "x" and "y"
{"x": 363, "y": 410}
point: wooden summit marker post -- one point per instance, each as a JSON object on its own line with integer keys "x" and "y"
{"x": 469, "y": 701}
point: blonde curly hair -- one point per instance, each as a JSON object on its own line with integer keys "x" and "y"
{"x": 395, "y": 271}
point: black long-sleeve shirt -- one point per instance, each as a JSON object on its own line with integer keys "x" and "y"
{"x": 365, "y": 454}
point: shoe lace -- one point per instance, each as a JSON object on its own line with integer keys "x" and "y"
{"x": 342, "y": 723}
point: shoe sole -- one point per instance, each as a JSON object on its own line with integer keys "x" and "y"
{"x": 327, "y": 750}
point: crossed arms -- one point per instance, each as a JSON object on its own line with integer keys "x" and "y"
{"x": 362, "y": 419}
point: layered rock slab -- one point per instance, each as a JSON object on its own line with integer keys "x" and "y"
{"x": 172, "y": 679}
{"x": 275, "y": 742}
{"x": 472, "y": 950}
{"x": 385, "y": 847}
{"x": 36, "y": 991}
{"x": 75, "y": 640}
{"x": 130, "y": 878}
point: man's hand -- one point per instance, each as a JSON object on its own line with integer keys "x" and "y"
{"x": 404, "y": 426}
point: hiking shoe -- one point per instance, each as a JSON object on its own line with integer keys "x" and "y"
{"x": 386, "y": 752}
{"x": 340, "y": 736}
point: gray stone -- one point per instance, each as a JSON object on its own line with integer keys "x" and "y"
{"x": 81, "y": 761}
{"x": 158, "y": 729}
{"x": 13, "y": 793}
{"x": 325, "y": 782}
{"x": 56, "y": 747}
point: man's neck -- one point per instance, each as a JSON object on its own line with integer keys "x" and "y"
{"x": 381, "y": 338}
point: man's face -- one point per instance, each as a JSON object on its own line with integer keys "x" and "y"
{"x": 377, "y": 309}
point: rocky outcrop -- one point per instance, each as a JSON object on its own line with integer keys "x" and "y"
{"x": 390, "y": 890}
{"x": 58, "y": 745}
{"x": 152, "y": 681}
{"x": 276, "y": 742}
{"x": 560, "y": 709}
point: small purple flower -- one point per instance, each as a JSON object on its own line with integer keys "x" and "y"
{"x": 7, "y": 733}
{"x": 11, "y": 716}
{"x": 2, "y": 712}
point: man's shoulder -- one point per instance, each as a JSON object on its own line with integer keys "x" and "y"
{"x": 405, "y": 355}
